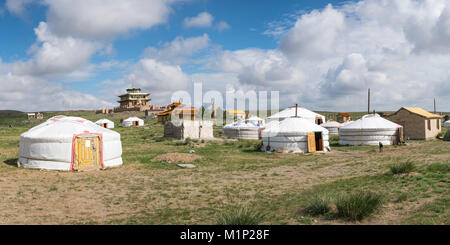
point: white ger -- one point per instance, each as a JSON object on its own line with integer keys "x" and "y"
{"x": 447, "y": 124}
{"x": 332, "y": 126}
{"x": 243, "y": 130}
{"x": 70, "y": 143}
{"x": 294, "y": 135}
{"x": 133, "y": 121}
{"x": 371, "y": 129}
{"x": 105, "y": 123}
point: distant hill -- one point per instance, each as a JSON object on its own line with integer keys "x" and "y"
{"x": 9, "y": 112}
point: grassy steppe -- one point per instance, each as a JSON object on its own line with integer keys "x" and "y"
{"x": 274, "y": 188}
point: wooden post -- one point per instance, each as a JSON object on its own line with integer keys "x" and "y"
{"x": 296, "y": 108}
{"x": 368, "y": 102}
{"x": 434, "y": 105}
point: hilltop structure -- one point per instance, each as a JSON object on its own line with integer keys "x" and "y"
{"x": 133, "y": 100}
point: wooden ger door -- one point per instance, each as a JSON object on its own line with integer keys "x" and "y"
{"x": 87, "y": 153}
{"x": 311, "y": 142}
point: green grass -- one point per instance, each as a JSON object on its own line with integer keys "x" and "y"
{"x": 319, "y": 204}
{"x": 402, "y": 168}
{"x": 358, "y": 205}
{"x": 239, "y": 215}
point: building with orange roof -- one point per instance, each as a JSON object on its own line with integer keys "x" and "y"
{"x": 179, "y": 110}
{"x": 418, "y": 124}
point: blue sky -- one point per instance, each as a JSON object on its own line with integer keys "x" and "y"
{"x": 320, "y": 54}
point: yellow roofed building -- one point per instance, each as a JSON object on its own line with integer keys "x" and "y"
{"x": 418, "y": 124}
{"x": 237, "y": 115}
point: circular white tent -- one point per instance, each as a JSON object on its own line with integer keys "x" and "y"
{"x": 371, "y": 129}
{"x": 256, "y": 120}
{"x": 243, "y": 130}
{"x": 105, "y": 123}
{"x": 133, "y": 121}
{"x": 447, "y": 124}
{"x": 70, "y": 143}
{"x": 332, "y": 127}
{"x": 296, "y": 135}
{"x": 346, "y": 123}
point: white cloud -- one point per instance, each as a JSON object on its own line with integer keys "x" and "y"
{"x": 260, "y": 67}
{"x": 104, "y": 18}
{"x": 28, "y": 93}
{"x": 17, "y": 7}
{"x": 53, "y": 55}
{"x": 314, "y": 34}
{"x": 160, "y": 79}
{"x": 179, "y": 49}
{"x": 203, "y": 19}
{"x": 222, "y": 25}
{"x": 330, "y": 57}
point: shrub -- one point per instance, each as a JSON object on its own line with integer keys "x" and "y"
{"x": 402, "y": 168}
{"x": 358, "y": 205}
{"x": 318, "y": 205}
{"x": 439, "y": 167}
{"x": 239, "y": 215}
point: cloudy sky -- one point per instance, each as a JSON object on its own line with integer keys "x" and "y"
{"x": 323, "y": 55}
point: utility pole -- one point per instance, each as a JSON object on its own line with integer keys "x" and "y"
{"x": 368, "y": 102}
{"x": 434, "y": 105}
{"x": 296, "y": 108}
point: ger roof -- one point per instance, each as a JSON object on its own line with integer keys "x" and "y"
{"x": 293, "y": 125}
{"x": 371, "y": 122}
{"x": 66, "y": 127}
{"x": 421, "y": 112}
{"x": 331, "y": 124}
{"x": 290, "y": 112}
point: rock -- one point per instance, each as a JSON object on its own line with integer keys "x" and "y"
{"x": 186, "y": 165}
{"x": 191, "y": 151}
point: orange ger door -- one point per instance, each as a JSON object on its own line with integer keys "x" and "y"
{"x": 311, "y": 142}
{"x": 87, "y": 153}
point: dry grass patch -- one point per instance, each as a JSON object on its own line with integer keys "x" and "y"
{"x": 176, "y": 157}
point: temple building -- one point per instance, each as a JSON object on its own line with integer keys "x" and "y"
{"x": 133, "y": 100}
{"x": 179, "y": 110}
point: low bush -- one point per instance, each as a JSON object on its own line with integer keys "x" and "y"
{"x": 239, "y": 215}
{"x": 402, "y": 168}
{"x": 358, "y": 205}
{"x": 318, "y": 205}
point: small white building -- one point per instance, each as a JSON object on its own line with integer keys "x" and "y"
{"x": 193, "y": 129}
{"x": 133, "y": 122}
{"x": 105, "y": 123}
